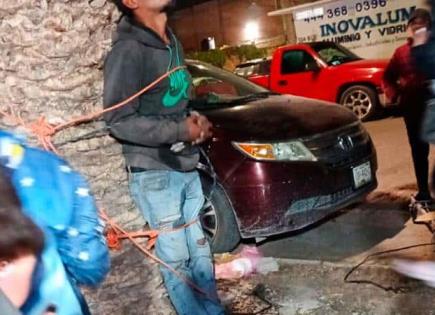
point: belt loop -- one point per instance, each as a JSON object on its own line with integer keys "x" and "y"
{"x": 128, "y": 169}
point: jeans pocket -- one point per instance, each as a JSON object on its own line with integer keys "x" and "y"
{"x": 157, "y": 197}
{"x": 154, "y": 180}
{"x": 147, "y": 190}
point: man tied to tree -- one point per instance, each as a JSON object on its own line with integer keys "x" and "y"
{"x": 163, "y": 180}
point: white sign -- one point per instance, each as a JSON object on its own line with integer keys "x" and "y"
{"x": 362, "y": 174}
{"x": 370, "y": 28}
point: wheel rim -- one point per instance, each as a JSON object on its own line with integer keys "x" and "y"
{"x": 209, "y": 220}
{"x": 359, "y": 102}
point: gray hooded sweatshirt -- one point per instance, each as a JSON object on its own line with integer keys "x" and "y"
{"x": 148, "y": 126}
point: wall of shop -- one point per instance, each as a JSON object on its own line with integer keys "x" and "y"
{"x": 227, "y": 22}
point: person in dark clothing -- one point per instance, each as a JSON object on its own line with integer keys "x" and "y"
{"x": 405, "y": 82}
{"x": 423, "y": 53}
{"x": 423, "y": 50}
{"x": 158, "y": 137}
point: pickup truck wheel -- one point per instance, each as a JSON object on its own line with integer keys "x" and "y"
{"x": 218, "y": 220}
{"x": 361, "y": 100}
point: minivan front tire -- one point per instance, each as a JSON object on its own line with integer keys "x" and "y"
{"x": 217, "y": 218}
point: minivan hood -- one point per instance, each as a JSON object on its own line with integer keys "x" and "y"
{"x": 282, "y": 117}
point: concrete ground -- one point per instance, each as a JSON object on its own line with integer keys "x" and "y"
{"x": 313, "y": 263}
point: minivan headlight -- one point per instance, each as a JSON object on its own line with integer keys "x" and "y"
{"x": 282, "y": 151}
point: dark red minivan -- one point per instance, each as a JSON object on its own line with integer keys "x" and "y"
{"x": 276, "y": 163}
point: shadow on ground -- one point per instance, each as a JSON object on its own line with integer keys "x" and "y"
{"x": 348, "y": 233}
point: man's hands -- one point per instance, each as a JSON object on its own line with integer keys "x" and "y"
{"x": 199, "y": 128}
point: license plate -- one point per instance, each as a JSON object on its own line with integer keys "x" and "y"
{"x": 362, "y": 174}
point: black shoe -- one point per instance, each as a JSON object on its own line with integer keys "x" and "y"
{"x": 423, "y": 197}
{"x": 418, "y": 208}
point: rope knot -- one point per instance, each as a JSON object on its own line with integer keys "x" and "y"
{"x": 44, "y": 132}
{"x": 42, "y": 128}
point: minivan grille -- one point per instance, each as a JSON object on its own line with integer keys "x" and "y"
{"x": 341, "y": 147}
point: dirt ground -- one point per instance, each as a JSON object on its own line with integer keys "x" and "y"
{"x": 315, "y": 288}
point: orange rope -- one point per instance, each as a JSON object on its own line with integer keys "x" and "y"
{"x": 44, "y": 132}
{"x": 93, "y": 116}
{"x": 114, "y": 236}
{"x": 146, "y": 251}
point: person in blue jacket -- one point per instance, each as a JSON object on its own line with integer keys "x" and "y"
{"x": 21, "y": 243}
{"x": 59, "y": 201}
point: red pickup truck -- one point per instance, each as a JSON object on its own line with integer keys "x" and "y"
{"x": 321, "y": 70}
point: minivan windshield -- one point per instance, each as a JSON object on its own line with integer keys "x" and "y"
{"x": 213, "y": 85}
{"x": 334, "y": 54}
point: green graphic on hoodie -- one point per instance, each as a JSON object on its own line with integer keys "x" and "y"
{"x": 178, "y": 88}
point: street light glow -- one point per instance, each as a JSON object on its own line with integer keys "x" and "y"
{"x": 252, "y": 31}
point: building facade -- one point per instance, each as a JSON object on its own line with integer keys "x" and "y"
{"x": 234, "y": 22}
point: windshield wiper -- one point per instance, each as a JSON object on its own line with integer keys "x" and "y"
{"x": 214, "y": 102}
{"x": 249, "y": 98}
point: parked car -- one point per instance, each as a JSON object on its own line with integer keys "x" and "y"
{"x": 256, "y": 70}
{"x": 281, "y": 162}
{"x": 326, "y": 71}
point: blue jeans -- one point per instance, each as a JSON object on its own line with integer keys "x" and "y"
{"x": 169, "y": 199}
